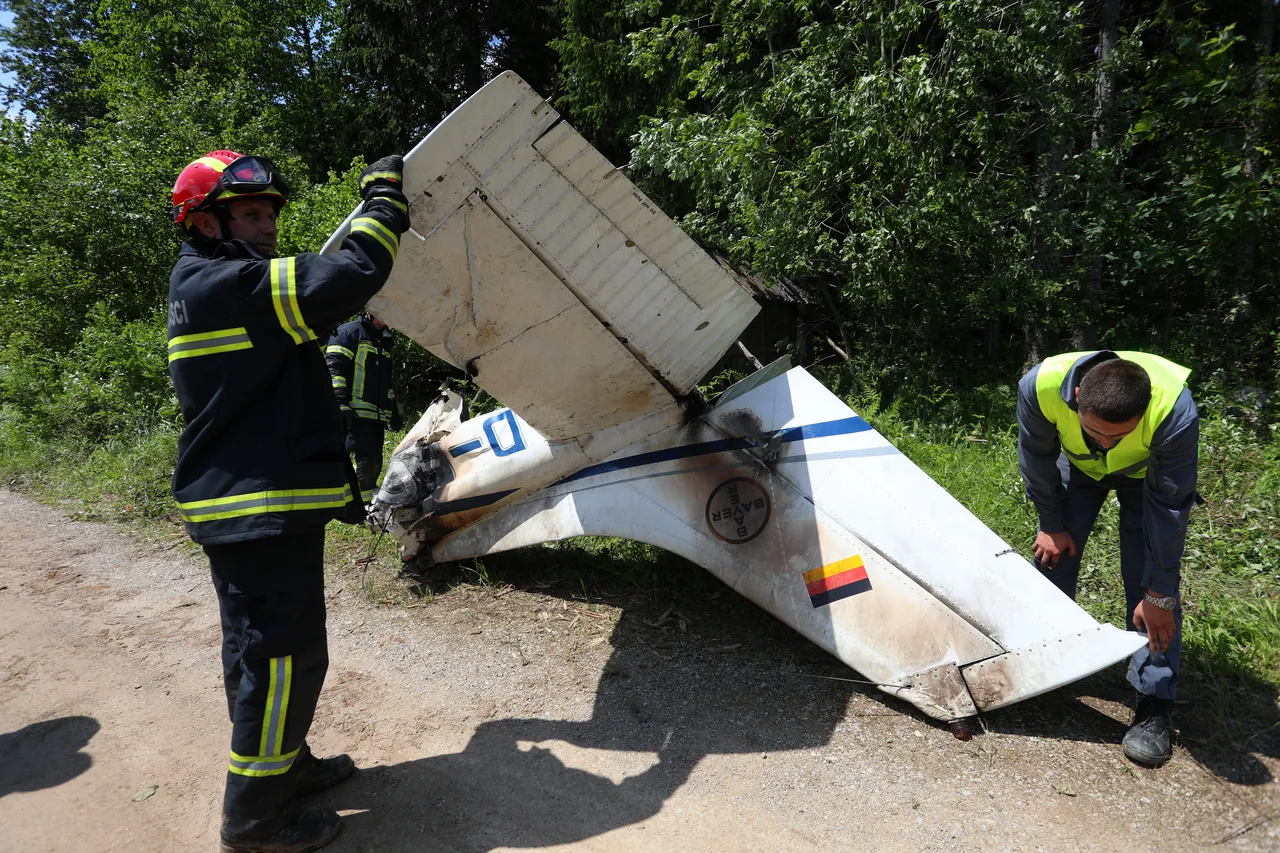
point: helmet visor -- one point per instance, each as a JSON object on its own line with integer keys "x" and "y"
{"x": 246, "y": 175}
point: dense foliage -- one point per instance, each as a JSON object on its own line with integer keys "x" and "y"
{"x": 957, "y": 175}
{"x": 962, "y": 186}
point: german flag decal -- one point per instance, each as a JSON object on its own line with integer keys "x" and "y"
{"x": 837, "y": 580}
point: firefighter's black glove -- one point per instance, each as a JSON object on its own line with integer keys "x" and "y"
{"x": 384, "y": 179}
{"x": 397, "y": 422}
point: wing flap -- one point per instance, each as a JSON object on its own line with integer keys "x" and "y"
{"x": 1029, "y": 671}
{"x": 586, "y": 231}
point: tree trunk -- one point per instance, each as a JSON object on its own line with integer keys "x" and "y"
{"x": 473, "y": 45}
{"x": 824, "y": 286}
{"x": 1108, "y": 37}
{"x": 803, "y": 333}
{"x": 1085, "y": 335}
{"x": 991, "y": 339}
{"x": 1033, "y": 342}
{"x": 1255, "y": 122}
{"x": 320, "y": 149}
{"x": 1166, "y": 329}
{"x": 1254, "y": 127}
{"x": 304, "y": 31}
{"x": 1050, "y": 157}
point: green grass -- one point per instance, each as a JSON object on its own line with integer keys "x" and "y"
{"x": 119, "y": 480}
{"x": 1231, "y": 576}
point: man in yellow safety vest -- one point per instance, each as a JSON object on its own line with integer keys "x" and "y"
{"x": 1094, "y": 422}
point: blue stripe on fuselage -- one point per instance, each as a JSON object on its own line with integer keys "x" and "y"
{"x": 465, "y": 448}
{"x": 843, "y": 426}
{"x": 474, "y": 502}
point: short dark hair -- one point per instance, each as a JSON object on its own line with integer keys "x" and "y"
{"x": 1115, "y": 391}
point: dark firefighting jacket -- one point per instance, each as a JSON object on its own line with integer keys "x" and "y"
{"x": 262, "y": 453}
{"x": 359, "y": 357}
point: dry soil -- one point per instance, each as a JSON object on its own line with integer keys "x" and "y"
{"x": 512, "y": 718}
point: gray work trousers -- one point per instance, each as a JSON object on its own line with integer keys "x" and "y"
{"x": 1151, "y": 674}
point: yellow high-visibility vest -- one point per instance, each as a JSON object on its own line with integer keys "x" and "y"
{"x": 1131, "y": 454}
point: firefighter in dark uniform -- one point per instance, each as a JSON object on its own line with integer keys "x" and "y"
{"x": 359, "y": 357}
{"x": 261, "y": 467}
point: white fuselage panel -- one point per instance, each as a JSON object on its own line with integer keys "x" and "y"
{"x": 531, "y": 255}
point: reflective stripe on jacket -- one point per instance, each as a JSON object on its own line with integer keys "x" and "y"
{"x": 1168, "y": 487}
{"x": 359, "y": 357}
{"x": 262, "y": 453}
{"x": 1131, "y": 454}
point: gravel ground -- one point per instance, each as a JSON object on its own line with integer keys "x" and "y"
{"x": 522, "y": 716}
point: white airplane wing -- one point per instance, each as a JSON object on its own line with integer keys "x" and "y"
{"x": 538, "y": 268}
{"x": 570, "y": 297}
{"x": 795, "y": 502}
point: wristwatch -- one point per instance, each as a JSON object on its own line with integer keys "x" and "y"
{"x": 1164, "y": 602}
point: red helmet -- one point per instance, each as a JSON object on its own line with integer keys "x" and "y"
{"x": 224, "y": 176}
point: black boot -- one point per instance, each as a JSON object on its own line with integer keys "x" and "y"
{"x": 318, "y": 774}
{"x": 293, "y": 832}
{"x": 1150, "y": 740}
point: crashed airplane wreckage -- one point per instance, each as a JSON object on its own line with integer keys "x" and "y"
{"x": 538, "y": 268}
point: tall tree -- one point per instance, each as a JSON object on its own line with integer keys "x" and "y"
{"x": 1263, "y": 105}
{"x": 407, "y": 64}
{"x": 49, "y": 55}
{"x": 968, "y": 175}
{"x": 1086, "y": 335}
{"x": 882, "y": 146}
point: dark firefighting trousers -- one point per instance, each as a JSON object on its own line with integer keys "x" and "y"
{"x": 364, "y": 442}
{"x": 274, "y": 658}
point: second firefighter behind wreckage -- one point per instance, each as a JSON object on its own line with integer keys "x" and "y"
{"x": 360, "y": 363}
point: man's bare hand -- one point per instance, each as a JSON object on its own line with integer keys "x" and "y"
{"x": 1156, "y": 622}
{"x": 1050, "y": 547}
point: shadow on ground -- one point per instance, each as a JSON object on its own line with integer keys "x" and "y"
{"x": 531, "y": 783}
{"x": 1224, "y": 724}
{"x": 1227, "y": 722}
{"x": 45, "y": 754}
{"x": 707, "y": 675}
{"x": 695, "y": 671}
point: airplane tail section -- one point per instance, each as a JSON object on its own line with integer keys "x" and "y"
{"x": 794, "y": 501}
{"x": 563, "y": 291}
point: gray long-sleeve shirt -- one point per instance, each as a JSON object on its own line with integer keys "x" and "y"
{"x": 1168, "y": 489}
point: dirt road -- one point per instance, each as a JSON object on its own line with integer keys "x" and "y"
{"x": 506, "y": 719}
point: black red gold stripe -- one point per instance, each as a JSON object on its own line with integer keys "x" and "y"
{"x": 837, "y": 580}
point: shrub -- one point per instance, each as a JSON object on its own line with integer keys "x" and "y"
{"x": 113, "y": 381}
